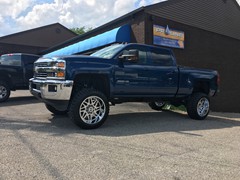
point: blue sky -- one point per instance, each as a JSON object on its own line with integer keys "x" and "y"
{"x": 21, "y": 15}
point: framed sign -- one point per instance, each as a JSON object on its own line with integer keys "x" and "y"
{"x": 165, "y": 36}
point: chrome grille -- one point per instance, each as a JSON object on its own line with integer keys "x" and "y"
{"x": 43, "y": 64}
{"x": 48, "y": 69}
{"x": 41, "y": 75}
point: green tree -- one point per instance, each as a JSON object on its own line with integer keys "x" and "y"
{"x": 81, "y": 30}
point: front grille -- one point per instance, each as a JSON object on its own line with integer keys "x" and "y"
{"x": 41, "y": 75}
{"x": 43, "y": 64}
{"x": 42, "y": 71}
{"x": 47, "y": 70}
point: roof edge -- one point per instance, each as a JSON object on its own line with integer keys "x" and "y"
{"x": 34, "y": 29}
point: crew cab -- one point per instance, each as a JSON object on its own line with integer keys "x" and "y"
{"x": 84, "y": 86}
{"x": 15, "y": 71}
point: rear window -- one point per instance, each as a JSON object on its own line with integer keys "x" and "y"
{"x": 10, "y": 60}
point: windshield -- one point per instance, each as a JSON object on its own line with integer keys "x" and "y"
{"x": 108, "y": 52}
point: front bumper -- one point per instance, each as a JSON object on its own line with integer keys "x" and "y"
{"x": 51, "y": 89}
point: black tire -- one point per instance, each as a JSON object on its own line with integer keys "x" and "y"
{"x": 89, "y": 109}
{"x": 157, "y": 105}
{"x": 4, "y": 91}
{"x": 198, "y": 106}
{"x": 55, "y": 111}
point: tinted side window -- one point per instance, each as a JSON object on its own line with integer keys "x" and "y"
{"x": 29, "y": 59}
{"x": 142, "y": 57}
{"x": 162, "y": 57}
{"x": 142, "y": 54}
{"x": 11, "y": 60}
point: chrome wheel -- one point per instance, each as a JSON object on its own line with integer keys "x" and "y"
{"x": 92, "y": 110}
{"x": 3, "y": 92}
{"x": 159, "y": 103}
{"x": 89, "y": 109}
{"x": 203, "y": 107}
{"x": 198, "y": 106}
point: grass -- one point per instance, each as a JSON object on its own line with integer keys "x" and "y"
{"x": 174, "y": 108}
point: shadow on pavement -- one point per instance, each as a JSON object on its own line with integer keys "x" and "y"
{"x": 14, "y": 101}
{"x": 155, "y": 122}
{"x": 58, "y": 125}
{"x": 126, "y": 124}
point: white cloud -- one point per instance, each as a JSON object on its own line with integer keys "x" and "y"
{"x": 19, "y": 15}
{"x": 14, "y": 8}
{"x": 122, "y": 7}
{"x": 142, "y": 3}
{"x": 76, "y": 13}
{"x": 1, "y": 20}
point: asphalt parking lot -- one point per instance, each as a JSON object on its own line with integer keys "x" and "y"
{"x": 134, "y": 143}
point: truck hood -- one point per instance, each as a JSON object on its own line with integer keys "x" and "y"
{"x": 76, "y": 58}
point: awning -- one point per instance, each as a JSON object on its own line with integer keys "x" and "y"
{"x": 118, "y": 35}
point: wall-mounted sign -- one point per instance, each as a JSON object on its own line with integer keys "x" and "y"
{"x": 165, "y": 36}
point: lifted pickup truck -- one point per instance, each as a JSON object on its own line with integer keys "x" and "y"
{"x": 15, "y": 71}
{"x": 84, "y": 86}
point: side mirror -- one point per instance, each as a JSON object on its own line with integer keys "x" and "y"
{"x": 131, "y": 55}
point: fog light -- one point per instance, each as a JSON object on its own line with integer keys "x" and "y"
{"x": 52, "y": 88}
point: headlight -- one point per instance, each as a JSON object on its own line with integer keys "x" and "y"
{"x": 60, "y": 64}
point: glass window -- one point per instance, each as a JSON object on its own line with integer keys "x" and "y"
{"x": 162, "y": 57}
{"x": 108, "y": 52}
{"x": 142, "y": 57}
{"x": 11, "y": 60}
{"x": 141, "y": 54}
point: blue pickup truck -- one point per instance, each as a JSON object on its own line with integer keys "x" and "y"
{"x": 85, "y": 86}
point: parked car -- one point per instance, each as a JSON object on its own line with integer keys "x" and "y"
{"x": 15, "y": 71}
{"x": 83, "y": 86}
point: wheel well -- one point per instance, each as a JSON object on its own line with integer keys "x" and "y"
{"x": 201, "y": 86}
{"x": 95, "y": 81}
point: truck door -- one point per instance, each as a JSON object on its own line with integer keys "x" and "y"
{"x": 163, "y": 73}
{"x": 131, "y": 74}
{"x": 28, "y": 61}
